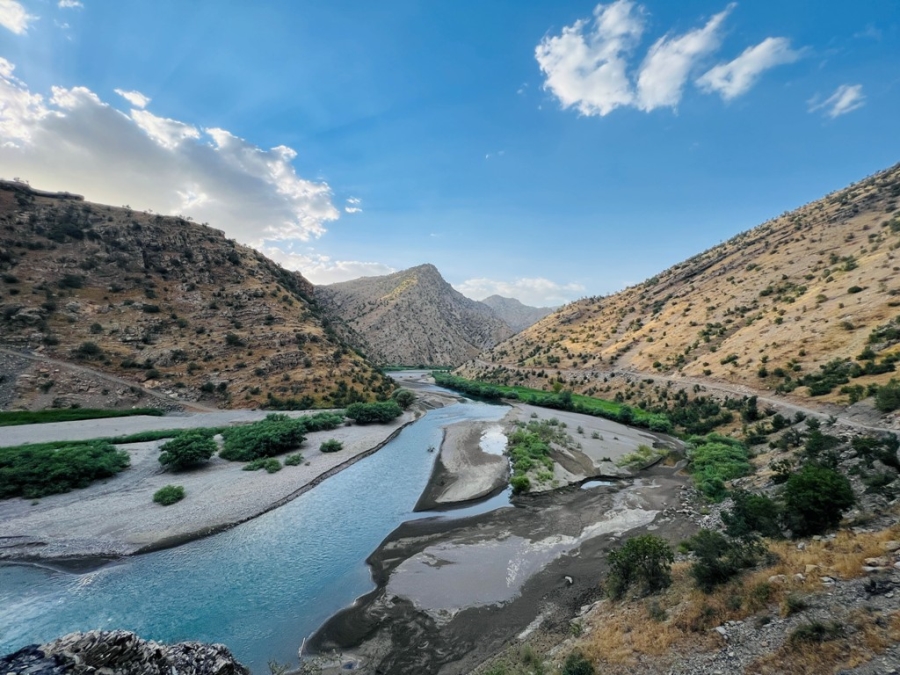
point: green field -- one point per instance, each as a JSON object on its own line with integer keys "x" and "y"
{"x": 563, "y": 400}
{"x": 11, "y": 418}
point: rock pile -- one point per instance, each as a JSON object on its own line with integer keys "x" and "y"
{"x": 120, "y": 652}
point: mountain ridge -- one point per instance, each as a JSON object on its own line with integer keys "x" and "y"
{"x": 411, "y": 317}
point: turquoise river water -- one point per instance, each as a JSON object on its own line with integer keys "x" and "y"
{"x": 259, "y": 588}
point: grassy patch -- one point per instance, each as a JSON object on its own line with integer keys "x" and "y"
{"x": 564, "y": 400}
{"x": 641, "y": 457}
{"x": 715, "y": 459}
{"x": 15, "y": 417}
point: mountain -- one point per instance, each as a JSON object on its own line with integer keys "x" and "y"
{"x": 805, "y": 304}
{"x": 412, "y": 317}
{"x": 162, "y": 304}
{"x": 514, "y": 314}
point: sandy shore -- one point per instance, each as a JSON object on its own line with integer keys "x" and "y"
{"x": 464, "y": 471}
{"x": 117, "y": 517}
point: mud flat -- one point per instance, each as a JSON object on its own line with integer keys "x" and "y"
{"x": 117, "y": 517}
{"x": 452, "y": 592}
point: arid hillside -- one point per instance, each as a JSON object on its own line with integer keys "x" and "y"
{"x": 412, "y": 317}
{"x": 805, "y": 305}
{"x": 169, "y": 305}
{"x": 515, "y": 314}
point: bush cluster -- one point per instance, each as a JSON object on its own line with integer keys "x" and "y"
{"x": 716, "y": 459}
{"x": 32, "y": 471}
{"x": 187, "y": 450}
{"x": 644, "y": 562}
{"x": 331, "y": 445}
{"x": 380, "y": 412}
{"x": 274, "y": 435}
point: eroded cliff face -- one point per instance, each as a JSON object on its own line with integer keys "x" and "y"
{"x": 163, "y": 303}
{"x": 412, "y": 317}
{"x": 120, "y": 652}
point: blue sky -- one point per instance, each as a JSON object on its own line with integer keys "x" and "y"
{"x": 542, "y": 150}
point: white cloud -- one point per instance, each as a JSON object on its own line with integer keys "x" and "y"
{"x": 135, "y": 98}
{"x": 669, "y": 63}
{"x": 732, "y": 79}
{"x": 70, "y": 4}
{"x": 537, "y": 292}
{"x": 846, "y": 98}
{"x": 14, "y": 17}
{"x": 75, "y": 141}
{"x": 585, "y": 66}
{"x": 321, "y": 269}
{"x": 353, "y": 205}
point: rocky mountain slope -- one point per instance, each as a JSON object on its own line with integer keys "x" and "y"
{"x": 172, "y": 306}
{"x": 805, "y": 304}
{"x": 514, "y": 314}
{"x": 412, "y": 317}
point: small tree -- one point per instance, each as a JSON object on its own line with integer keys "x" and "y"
{"x": 404, "y": 398}
{"x": 644, "y": 561}
{"x": 815, "y": 498}
{"x": 752, "y": 513}
{"x": 187, "y": 450}
{"x": 719, "y": 558}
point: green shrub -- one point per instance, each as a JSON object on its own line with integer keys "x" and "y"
{"x": 321, "y": 421}
{"x": 641, "y": 457}
{"x": 752, "y": 513}
{"x": 168, "y": 495}
{"x": 815, "y": 499}
{"x": 187, "y": 450}
{"x": 293, "y": 460}
{"x": 15, "y": 417}
{"x": 380, "y": 412}
{"x": 89, "y": 350}
{"x": 577, "y": 664}
{"x": 32, "y": 471}
{"x": 331, "y": 445}
{"x": 644, "y": 561}
{"x": 270, "y": 464}
{"x": 715, "y": 460}
{"x": 816, "y": 631}
{"x": 719, "y": 559}
{"x": 404, "y": 398}
{"x": 274, "y": 435}
{"x": 520, "y": 483}
{"x": 887, "y": 398}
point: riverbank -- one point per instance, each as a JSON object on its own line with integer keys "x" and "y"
{"x": 117, "y": 517}
{"x": 450, "y": 593}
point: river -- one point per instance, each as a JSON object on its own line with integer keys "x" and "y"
{"x": 259, "y": 588}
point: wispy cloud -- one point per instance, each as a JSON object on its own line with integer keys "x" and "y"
{"x": 353, "y": 205}
{"x": 321, "y": 269}
{"x": 135, "y": 98}
{"x": 845, "y": 99}
{"x": 73, "y": 140}
{"x": 588, "y": 65}
{"x": 535, "y": 291}
{"x": 671, "y": 60}
{"x": 14, "y": 17}
{"x": 737, "y": 77}
{"x": 70, "y": 4}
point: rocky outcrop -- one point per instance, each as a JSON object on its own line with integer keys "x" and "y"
{"x": 120, "y": 652}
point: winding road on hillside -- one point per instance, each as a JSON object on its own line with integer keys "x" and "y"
{"x": 766, "y": 398}
{"x": 112, "y": 379}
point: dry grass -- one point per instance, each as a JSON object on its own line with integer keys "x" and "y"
{"x": 681, "y": 618}
{"x": 865, "y": 635}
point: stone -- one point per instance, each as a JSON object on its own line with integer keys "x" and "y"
{"x": 811, "y": 568}
{"x": 777, "y": 579}
{"x": 891, "y": 546}
{"x": 881, "y": 561}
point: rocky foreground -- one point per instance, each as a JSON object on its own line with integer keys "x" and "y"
{"x": 120, "y": 652}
